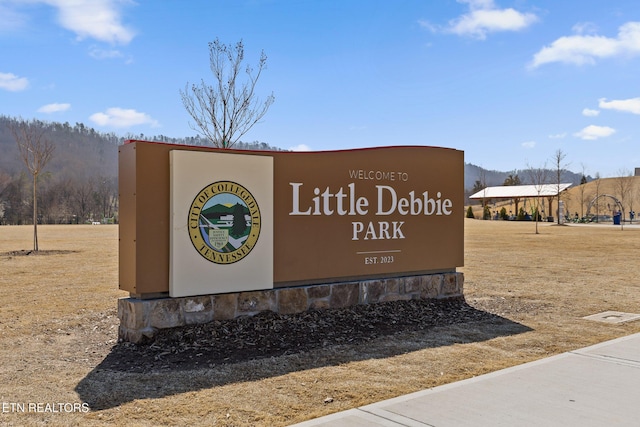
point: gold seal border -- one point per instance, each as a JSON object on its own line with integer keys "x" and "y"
{"x": 211, "y": 190}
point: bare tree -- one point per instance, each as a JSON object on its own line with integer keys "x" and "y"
{"x": 624, "y": 189}
{"x": 227, "y": 110}
{"x": 82, "y": 200}
{"x": 481, "y": 185}
{"x": 35, "y": 151}
{"x": 538, "y": 177}
{"x": 634, "y": 197}
{"x": 582, "y": 188}
{"x": 105, "y": 196}
{"x": 598, "y": 181}
{"x": 5, "y": 180}
{"x": 561, "y": 167}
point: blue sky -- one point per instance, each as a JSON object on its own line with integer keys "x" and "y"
{"x": 507, "y": 81}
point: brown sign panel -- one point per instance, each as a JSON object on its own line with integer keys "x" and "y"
{"x": 367, "y": 213}
{"x": 338, "y": 215}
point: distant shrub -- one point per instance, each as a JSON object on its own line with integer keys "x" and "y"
{"x": 470, "y": 213}
{"x": 503, "y": 214}
{"x": 486, "y": 212}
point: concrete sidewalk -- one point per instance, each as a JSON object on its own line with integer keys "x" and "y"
{"x": 593, "y": 386}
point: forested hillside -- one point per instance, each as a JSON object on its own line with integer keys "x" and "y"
{"x": 490, "y": 178}
{"x": 79, "y": 183}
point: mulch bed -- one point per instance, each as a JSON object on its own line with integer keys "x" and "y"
{"x": 269, "y": 334}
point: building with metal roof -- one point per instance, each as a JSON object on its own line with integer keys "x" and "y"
{"x": 515, "y": 191}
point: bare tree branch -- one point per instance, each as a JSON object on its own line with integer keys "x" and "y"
{"x": 624, "y": 189}
{"x": 561, "y": 167}
{"x": 582, "y": 189}
{"x": 538, "y": 177}
{"x": 35, "y": 151}
{"x": 226, "y": 111}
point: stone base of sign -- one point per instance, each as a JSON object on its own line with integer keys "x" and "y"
{"x": 140, "y": 319}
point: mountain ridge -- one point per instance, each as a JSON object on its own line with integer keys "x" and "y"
{"x": 89, "y": 152}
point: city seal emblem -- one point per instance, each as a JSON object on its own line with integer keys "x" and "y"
{"x": 224, "y": 222}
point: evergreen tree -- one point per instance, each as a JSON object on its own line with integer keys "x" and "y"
{"x": 470, "y": 213}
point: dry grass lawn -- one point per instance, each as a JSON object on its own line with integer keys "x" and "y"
{"x": 58, "y": 324}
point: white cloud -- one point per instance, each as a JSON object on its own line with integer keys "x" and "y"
{"x": 528, "y": 144}
{"x": 122, "y": 118}
{"x": 96, "y": 19}
{"x": 484, "y": 18}
{"x": 558, "y": 135}
{"x": 594, "y": 132}
{"x": 590, "y": 113}
{"x": 98, "y": 53}
{"x": 631, "y": 105}
{"x": 586, "y": 49}
{"x": 428, "y": 25}
{"x": 10, "y": 19}
{"x": 54, "y": 108}
{"x": 585, "y": 28}
{"x": 300, "y": 147}
{"x": 13, "y": 83}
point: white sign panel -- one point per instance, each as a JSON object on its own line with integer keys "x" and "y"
{"x": 221, "y": 223}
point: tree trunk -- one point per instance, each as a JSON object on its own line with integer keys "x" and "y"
{"x": 35, "y": 214}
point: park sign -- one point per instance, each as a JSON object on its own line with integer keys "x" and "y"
{"x": 197, "y": 221}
